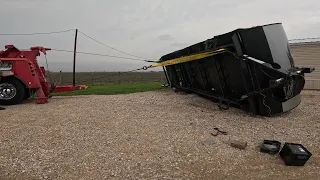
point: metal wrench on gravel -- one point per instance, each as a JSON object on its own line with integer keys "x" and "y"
{"x": 218, "y": 131}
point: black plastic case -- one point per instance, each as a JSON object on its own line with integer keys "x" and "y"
{"x": 294, "y": 154}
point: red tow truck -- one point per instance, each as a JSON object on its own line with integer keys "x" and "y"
{"x": 21, "y": 76}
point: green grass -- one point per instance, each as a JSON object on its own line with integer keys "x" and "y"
{"x": 109, "y": 89}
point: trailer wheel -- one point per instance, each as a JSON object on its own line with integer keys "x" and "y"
{"x": 12, "y": 91}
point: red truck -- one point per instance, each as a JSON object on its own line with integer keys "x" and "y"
{"x": 21, "y": 76}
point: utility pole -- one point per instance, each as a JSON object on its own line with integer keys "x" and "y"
{"x": 74, "y": 57}
{"x": 60, "y": 77}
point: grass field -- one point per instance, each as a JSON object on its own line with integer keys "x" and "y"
{"x": 96, "y": 78}
{"x": 109, "y": 89}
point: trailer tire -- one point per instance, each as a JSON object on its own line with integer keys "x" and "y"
{"x": 17, "y": 86}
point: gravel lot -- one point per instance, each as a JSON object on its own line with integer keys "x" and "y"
{"x": 151, "y": 135}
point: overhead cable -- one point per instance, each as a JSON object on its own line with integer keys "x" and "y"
{"x": 36, "y": 33}
{"x": 110, "y": 46}
{"x": 106, "y": 55}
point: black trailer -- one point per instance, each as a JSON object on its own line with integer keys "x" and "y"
{"x": 249, "y": 68}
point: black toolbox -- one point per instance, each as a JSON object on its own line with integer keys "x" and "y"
{"x": 294, "y": 154}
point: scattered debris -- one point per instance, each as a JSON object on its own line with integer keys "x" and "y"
{"x": 217, "y": 131}
{"x": 238, "y": 144}
{"x": 208, "y": 142}
{"x": 294, "y": 154}
{"x": 270, "y": 147}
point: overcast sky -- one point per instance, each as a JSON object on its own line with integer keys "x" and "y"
{"x": 147, "y": 28}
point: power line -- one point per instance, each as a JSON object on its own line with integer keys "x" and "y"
{"x": 55, "y": 32}
{"x": 110, "y": 46}
{"x": 105, "y": 55}
{"x": 37, "y": 33}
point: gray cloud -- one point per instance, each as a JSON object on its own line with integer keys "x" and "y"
{"x": 166, "y": 37}
{"x": 179, "y": 45}
{"x": 141, "y": 27}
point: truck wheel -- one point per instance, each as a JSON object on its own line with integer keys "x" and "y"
{"x": 12, "y": 91}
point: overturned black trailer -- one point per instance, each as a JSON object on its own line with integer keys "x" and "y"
{"x": 248, "y": 68}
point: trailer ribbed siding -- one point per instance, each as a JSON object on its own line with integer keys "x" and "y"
{"x": 308, "y": 54}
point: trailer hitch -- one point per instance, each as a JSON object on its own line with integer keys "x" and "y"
{"x": 52, "y": 87}
{"x": 261, "y": 91}
{"x": 307, "y": 69}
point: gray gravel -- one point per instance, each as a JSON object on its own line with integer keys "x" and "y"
{"x": 150, "y": 135}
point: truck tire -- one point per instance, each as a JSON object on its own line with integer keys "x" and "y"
{"x": 12, "y": 91}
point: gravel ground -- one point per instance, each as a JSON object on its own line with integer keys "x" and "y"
{"x": 150, "y": 135}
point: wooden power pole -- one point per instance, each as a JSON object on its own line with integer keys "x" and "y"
{"x": 74, "y": 57}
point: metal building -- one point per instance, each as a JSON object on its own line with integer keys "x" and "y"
{"x": 308, "y": 54}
